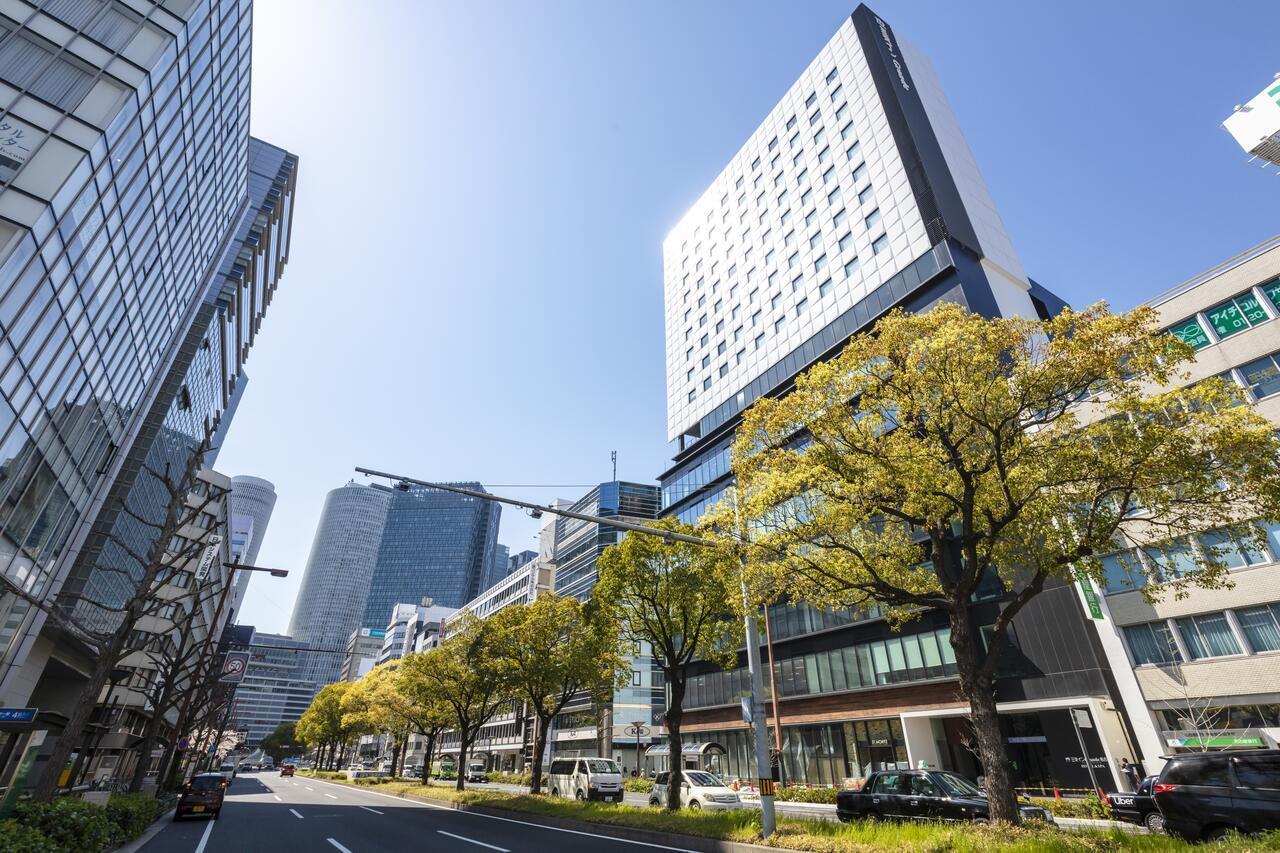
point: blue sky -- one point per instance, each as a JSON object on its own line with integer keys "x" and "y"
{"x": 475, "y": 283}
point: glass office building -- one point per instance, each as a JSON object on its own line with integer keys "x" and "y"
{"x": 273, "y": 690}
{"x": 435, "y": 544}
{"x": 124, "y": 170}
{"x": 335, "y": 584}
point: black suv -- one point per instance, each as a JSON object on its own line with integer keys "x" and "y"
{"x": 1207, "y": 795}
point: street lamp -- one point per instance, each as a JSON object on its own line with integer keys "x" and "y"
{"x": 755, "y": 709}
{"x": 637, "y": 730}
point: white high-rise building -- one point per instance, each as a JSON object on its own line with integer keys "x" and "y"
{"x": 856, "y": 193}
{"x": 252, "y": 498}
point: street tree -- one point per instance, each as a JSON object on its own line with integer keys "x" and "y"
{"x": 326, "y": 727}
{"x": 467, "y": 673}
{"x": 281, "y": 742}
{"x": 944, "y": 450}
{"x": 674, "y": 601}
{"x": 124, "y": 584}
{"x": 555, "y": 649}
{"x": 423, "y": 703}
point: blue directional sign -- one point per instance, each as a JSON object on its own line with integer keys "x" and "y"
{"x": 18, "y": 715}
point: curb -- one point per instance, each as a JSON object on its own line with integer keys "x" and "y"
{"x": 147, "y": 834}
{"x": 694, "y": 843}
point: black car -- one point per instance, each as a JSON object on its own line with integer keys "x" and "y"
{"x": 922, "y": 795}
{"x": 202, "y": 795}
{"x": 1137, "y": 806}
{"x": 1208, "y": 795}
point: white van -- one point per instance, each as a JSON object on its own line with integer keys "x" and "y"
{"x": 586, "y": 779}
{"x": 698, "y": 790}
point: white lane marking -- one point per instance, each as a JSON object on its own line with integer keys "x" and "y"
{"x": 375, "y": 811}
{"x": 331, "y": 796}
{"x": 308, "y": 787}
{"x": 339, "y": 846}
{"x": 277, "y": 796}
{"x": 204, "y": 839}
{"x": 613, "y": 838}
{"x": 473, "y": 841}
{"x": 295, "y": 814}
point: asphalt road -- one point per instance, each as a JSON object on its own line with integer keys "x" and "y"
{"x": 264, "y": 812}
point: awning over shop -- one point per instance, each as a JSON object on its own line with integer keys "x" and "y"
{"x": 708, "y": 748}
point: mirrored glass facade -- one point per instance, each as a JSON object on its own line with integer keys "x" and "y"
{"x": 124, "y": 171}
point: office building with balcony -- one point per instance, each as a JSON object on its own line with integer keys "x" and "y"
{"x": 857, "y": 194}
{"x": 1203, "y": 671}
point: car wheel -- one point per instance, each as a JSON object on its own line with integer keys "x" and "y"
{"x": 579, "y": 796}
{"x": 215, "y": 814}
{"x": 1154, "y": 822}
{"x": 653, "y": 802}
{"x": 555, "y": 792}
{"x": 981, "y": 820}
{"x": 843, "y": 818}
{"x": 1218, "y": 833}
{"x": 694, "y": 805}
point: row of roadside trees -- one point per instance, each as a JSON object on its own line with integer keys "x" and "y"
{"x": 941, "y": 452}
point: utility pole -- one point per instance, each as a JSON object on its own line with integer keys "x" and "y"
{"x": 764, "y": 775}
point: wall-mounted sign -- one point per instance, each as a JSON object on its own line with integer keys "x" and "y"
{"x": 206, "y": 559}
{"x": 18, "y": 715}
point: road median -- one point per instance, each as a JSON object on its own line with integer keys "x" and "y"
{"x": 739, "y": 830}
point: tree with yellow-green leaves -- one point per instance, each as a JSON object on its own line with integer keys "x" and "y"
{"x": 373, "y": 705}
{"x": 674, "y": 600}
{"x": 554, "y": 649}
{"x": 944, "y": 450}
{"x": 327, "y": 728}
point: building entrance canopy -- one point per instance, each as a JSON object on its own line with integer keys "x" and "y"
{"x": 707, "y": 748}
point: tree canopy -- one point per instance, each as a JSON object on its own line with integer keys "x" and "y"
{"x": 944, "y": 450}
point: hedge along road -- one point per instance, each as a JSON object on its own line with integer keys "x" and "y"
{"x": 264, "y": 812}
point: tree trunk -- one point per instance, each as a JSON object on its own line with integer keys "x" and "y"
{"x": 73, "y": 731}
{"x": 426, "y": 759}
{"x": 979, "y": 689}
{"x": 675, "y": 713}
{"x": 539, "y": 749}
{"x": 149, "y": 735}
{"x": 464, "y": 745}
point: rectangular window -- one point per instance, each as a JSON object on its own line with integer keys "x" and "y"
{"x": 793, "y": 141}
{"x": 1230, "y": 551}
{"x": 740, "y": 356}
{"x": 693, "y": 395}
{"x": 865, "y": 195}
{"x": 820, "y": 136}
{"x": 845, "y": 133}
{"x": 831, "y": 77}
{"x": 811, "y": 218}
{"x": 1272, "y": 291}
{"x": 737, "y": 333}
{"x": 811, "y": 100}
{"x": 1152, "y": 643}
{"x": 791, "y": 122}
{"x": 773, "y": 143}
{"x": 802, "y": 306}
{"x": 1123, "y": 571}
{"x": 759, "y": 340}
{"x": 880, "y": 244}
{"x": 842, "y": 114}
{"x": 833, "y": 197}
{"x": 824, "y": 155}
{"x": 706, "y": 361}
{"x": 846, "y": 241}
{"x": 706, "y": 383}
{"x": 824, "y": 288}
{"x": 820, "y": 264}
{"x": 852, "y": 266}
{"x": 814, "y": 239}
{"x": 1262, "y": 376}
{"x": 720, "y": 348}
{"x": 793, "y": 260}
{"x": 835, "y": 93}
{"x": 872, "y": 219}
{"x": 1190, "y": 332}
{"x": 789, "y": 239}
{"x": 1208, "y": 636}
{"x": 1236, "y": 315}
{"x": 778, "y": 324}
{"x": 1261, "y": 626}
{"x": 828, "y": 175}
{"x": 860, "y": 173}
{"x": 839, "y": 218}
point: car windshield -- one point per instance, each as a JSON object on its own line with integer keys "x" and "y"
{"x": 206, "y": 783}
{"x": 957, "y": 786}
{"x": 702, "y": 780}
{"x": 600, "y": 765}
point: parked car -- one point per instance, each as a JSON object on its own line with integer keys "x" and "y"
{"x": 1208, "y": 795}
{"x": 922, "y": 795}
{"x": 698, "y": 790}
{"x": 1137, "y": 806}
{"x": 586, "y": 779}
{"x": 228, "y": 770}
{"x": 413, "y": 772}
{"x": 201, "y": 795}
{"x": 287, "y": 769}
{"x": 476, "y": 772}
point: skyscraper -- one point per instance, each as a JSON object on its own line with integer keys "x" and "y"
{"x": 273, "y": 691}
{"x": 856, "y": 194}
{"x": 255, "y": 498}
{"x": 435, "y": 544}
{"x": 131, "y": 196}
{"x": 335, "y": 584}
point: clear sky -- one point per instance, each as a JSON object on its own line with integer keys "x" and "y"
{"x": 475, "y": 283}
